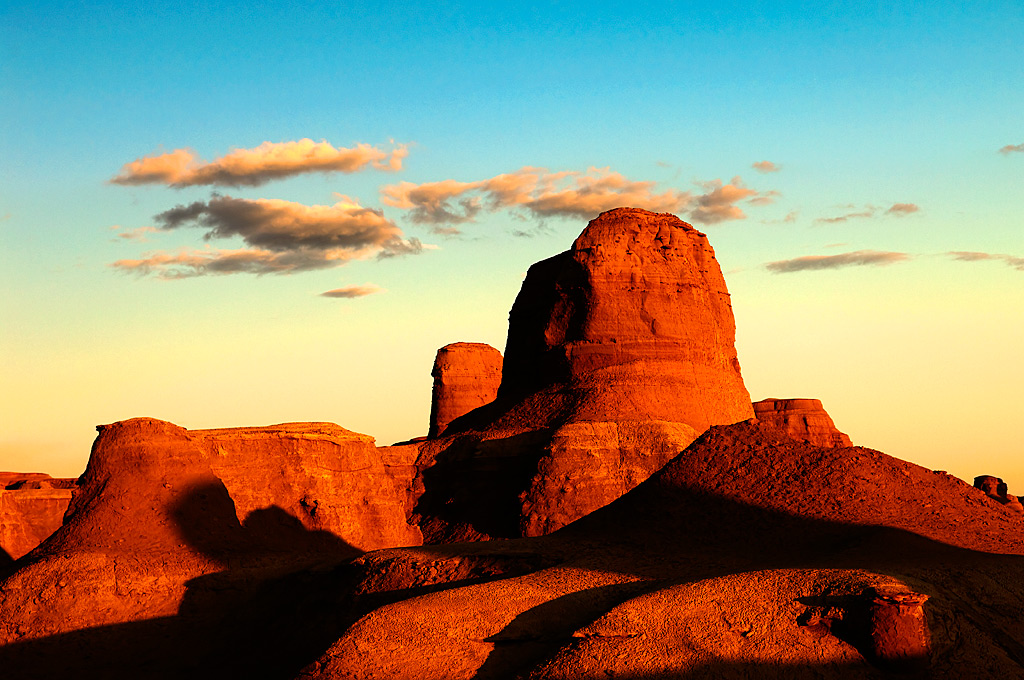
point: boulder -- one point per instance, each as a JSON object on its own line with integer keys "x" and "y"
{"x": 995, "y": 488}
{"x": 802, "y": 419}
{"x": 620, "y": 352}
{"x": 466, "y": 376}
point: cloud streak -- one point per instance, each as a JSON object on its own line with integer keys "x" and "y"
{"x": 253, "y": 167}
{"x": 539, "y": 194}
{"x": 968, "y": 256}
{"x": 870, "y": 211}
{"x": 1012, "y": 148}
{"x": 353, "y": 291}
{"x": 852, "y": 259}
{"x": 282, "y": 237}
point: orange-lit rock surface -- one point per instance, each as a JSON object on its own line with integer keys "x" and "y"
{"x": 169, "y": 522}
{"x": 466, "y": 376}
{"x": 750, "y": 555}
{"x": 620, "y": 352}
{"x": 32, "y": 506}
{"x": 802, "y": 419}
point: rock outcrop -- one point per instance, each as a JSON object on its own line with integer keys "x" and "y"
{"x": 32, "y": 507}
{"x": 802, "y": 419}
{"x": 166, "y": 520}
{"x": 749, "y": 555}
{"x": 466, "y": 376}
{"x": 995, "y": 488}
{"x": 620, "y": 352}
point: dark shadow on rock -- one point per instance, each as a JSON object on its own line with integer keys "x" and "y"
{"x": 5, "y": 560}
{"x": 270, "y": 612}
{"x": 472, "y": 490}
{"x": 539, "y": 632}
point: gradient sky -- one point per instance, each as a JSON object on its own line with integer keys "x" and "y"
{"x": 876, "y": 261}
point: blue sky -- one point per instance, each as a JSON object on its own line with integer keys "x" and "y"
{"x": 861, "y": 106}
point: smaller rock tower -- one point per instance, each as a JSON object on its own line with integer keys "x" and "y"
{"x": 466, "y": 376}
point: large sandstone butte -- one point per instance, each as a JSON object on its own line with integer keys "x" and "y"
{"x": 194, "y": 525}
{"x": 802, "y": 419}
{"x": 620, "y": 352}
{"x": 32, "y": 506}
{"x": 466, "y": 376}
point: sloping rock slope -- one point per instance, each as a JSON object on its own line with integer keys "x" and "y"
{"x": 749, "y": 555}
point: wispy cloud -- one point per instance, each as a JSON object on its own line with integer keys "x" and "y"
{"x": 1012, "y": 148}
{"x": 137, "y": 234}
{"x": 789, "y": 218}
{"x": 282, "y": 237}
{"x": 852, "y": 259}
{"x": 539, "y": 194}
{"x": 869, "y": 211}
{"x": 968, "y": 256}
{"x": 353, "y": 291}
{"x": 766, "y": 166}
{"x": 902, "y": 209}
{"x": 253, "y": 167}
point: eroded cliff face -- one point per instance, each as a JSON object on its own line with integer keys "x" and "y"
{"x": 32, "y": 507}
{"x": 620, "y": 353}
{"x": 161, "y": 510}
{"x": 466, "y": 376}
{"x": 802, "y": 419}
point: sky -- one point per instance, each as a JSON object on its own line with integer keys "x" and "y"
{"x": 230, "y": 214}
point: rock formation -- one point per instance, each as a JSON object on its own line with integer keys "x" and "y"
{"x": 166, "y": 519}
{"x": 749, "y": 555}
{"x": 466, "y": 376}
{"x": 32, "y": 507}
{"x": 802, "y": 419}
{"x": 995, "y": 488}
{"x": 620, "y": 352}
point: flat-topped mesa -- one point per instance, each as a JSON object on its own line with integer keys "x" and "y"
{"x": 161, "y": 508}
{"x": 802, "y": 419}
{"x": 466, "y": 376}
{"x": 635, "y": 320}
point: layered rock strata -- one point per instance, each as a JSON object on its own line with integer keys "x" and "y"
{"x": 802, "y": 419}
{"x": 466, "y": 376}
{"x": 620, "y": 352}
{"x": 160, "y": 510}
{"x": 32, "y": 507}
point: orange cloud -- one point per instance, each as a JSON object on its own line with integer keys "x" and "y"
{"x": 718, "y": 203}
{"x": 539, "y": 193}
{"x": 856, "y": 258}
{"x": 137, "y": 234}
{"x": 353, "y": 291}
{"x": 766, "y": 166}
{"x": 1012, "y": 148}
{"x": 282, "y": 237}
{"x": 253, "y": 167}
